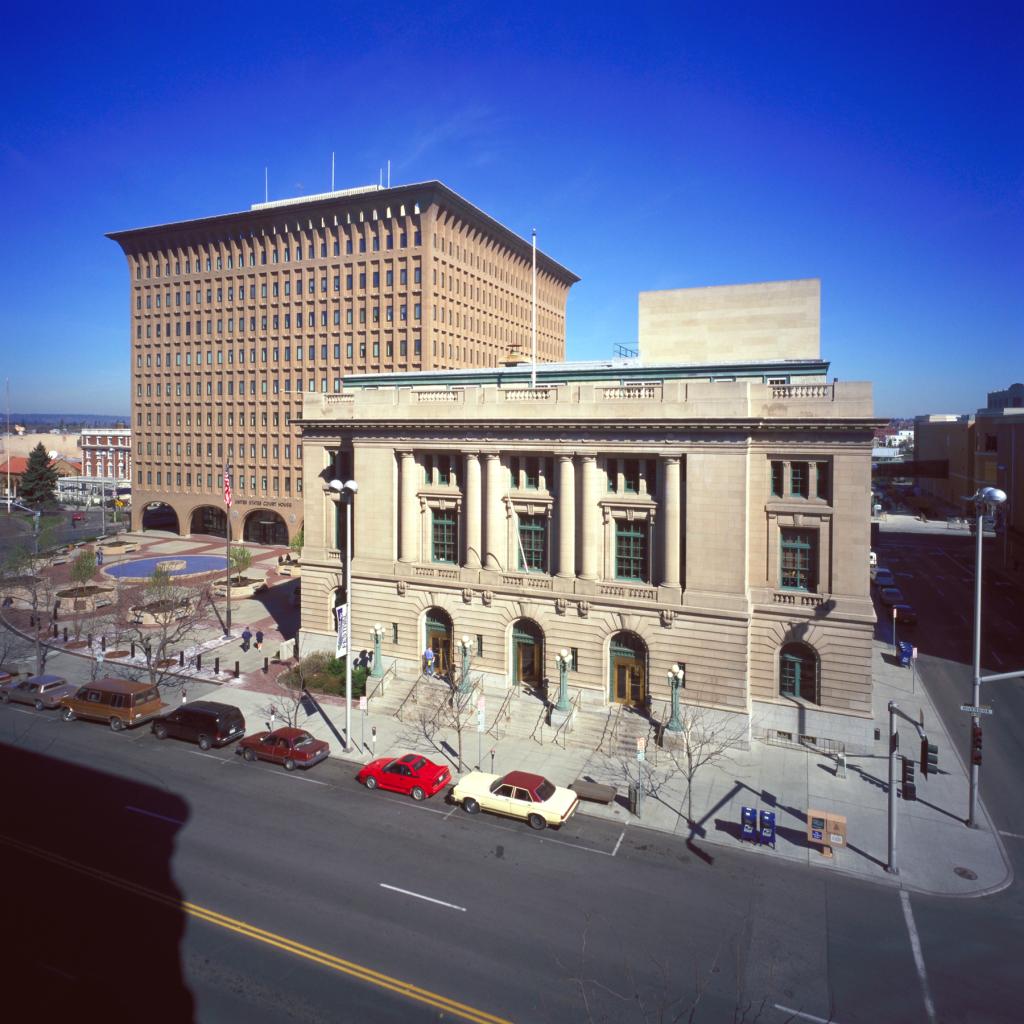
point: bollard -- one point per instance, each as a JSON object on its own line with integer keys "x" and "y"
{"x": 31, "y": 620}
{"x": 236, "y": 669}
{"x": 266, "y": 665}
{"x": 65, "y": 634}
{"x": 88, "y": 639}
{"x": 199, "y": 663}
{"x": 181, "y": 659}
{"x": 55, "y": 630}
{"x": 133, "y": 648}
{"x": 103, "y": 643}
{"x": 216, "y": 666}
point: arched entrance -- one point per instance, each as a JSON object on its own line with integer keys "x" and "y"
{"x": 208, "y": 519}
{"x": 628, "y": 669}
{"x": 527, "y": 652}
{"x": 439, "y": 631}
{"x": 265, "y": 527}
{"x": 159, "y": 516}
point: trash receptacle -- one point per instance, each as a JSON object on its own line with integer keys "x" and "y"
{"x": 634, "y": 797}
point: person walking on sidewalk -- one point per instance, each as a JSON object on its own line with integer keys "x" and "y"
{"x": 246, "y": 638}
{"x": 259, "y": 639}
{"x": 428, "y": 659}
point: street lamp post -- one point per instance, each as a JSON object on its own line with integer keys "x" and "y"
{"x": 985, "y": 500}
{"x": 563, "y": 661}
{"x": 347, "y": 490}
{"x": 676, "y": 680}
{"x": 464, "y": 648}
{"x": 378, "y": 664}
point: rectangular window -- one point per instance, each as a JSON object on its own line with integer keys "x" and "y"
{"x": 631, "y": 476}
{"x": 777, "y": 479}
{"x": 799, "y": 565}
{"x": 631, "y": 550}
{"x": 823, "y": 489}
{"x": 533, "y": 553}
{"x": 444, "y": 538}
{"x": 798, "y": 474}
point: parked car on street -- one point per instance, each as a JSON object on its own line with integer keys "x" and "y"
{"x": 119, "y": 702}
{"x": 891, "y": 595}
{"x": 412, "y": 774}
{"x": 882, "y": 577}
{"x": 8, "y": 673}
{"x": 205, "y": 722}
{"x": 39, "y": 691}
{"x": 293, "y": 748}
{"x": 905, "y": 614}
{"x": 523, "y": 795}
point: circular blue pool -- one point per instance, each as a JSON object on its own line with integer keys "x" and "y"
{"x": 176, "y": 565}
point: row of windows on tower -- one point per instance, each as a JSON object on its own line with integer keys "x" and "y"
{"x": 279, "y": 321}
{"x": 184, "y": 478}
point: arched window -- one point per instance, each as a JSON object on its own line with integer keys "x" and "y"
{"x": 798, "y": 673}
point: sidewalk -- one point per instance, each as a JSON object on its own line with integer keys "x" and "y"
{"x": 935, "y": 852}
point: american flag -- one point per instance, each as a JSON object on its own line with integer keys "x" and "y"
{"x": 227, "y": 489}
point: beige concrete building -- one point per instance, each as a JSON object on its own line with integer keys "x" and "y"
{"x": 771, "y": 320}
{"x": 634, "y": 517}
{"x": 235, "y": 318}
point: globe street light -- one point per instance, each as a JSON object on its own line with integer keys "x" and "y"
{"x": 347, "y": 490}
{"x": 464, "y": 647}
{"x": 985, "y": 501}
{"x": 676, "y": 680}
{"x": 563, "y": 661}
{"x": 378, "y": 663}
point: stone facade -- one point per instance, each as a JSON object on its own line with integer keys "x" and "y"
{"x": 635, "y": 517}
{"x": 233, "y": 319}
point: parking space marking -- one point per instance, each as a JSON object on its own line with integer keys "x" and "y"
{"x": 805, "y": 1016}
{"x": 292, "y": 775}
{"x": 152, "y": 814}
{"x": 414, "y": 805}
{"x": 618, "y": 842}
{"x": 420, "y": 896}
{"x": 915, "y": 946}
{"x": 1011, "y": 835}
{"x": 200, "y": 753}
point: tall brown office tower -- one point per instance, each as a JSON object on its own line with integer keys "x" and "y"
{"x": 235, "y": 318}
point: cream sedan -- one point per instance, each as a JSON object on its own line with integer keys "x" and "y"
{"x": 517, "y": 795}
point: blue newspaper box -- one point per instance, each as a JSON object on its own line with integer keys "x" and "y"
{"x": 748, "y": 822}
{"x": 768, "y": 829}
{"x": 906, "y": 653}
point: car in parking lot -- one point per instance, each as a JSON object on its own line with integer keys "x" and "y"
{"x": 891, "y": 595}
{"x": 40, "y": 691}
{"x": 905, "y": 614}
{"x": 411, "y": 774}
{"x": 206, "y": 722}
{"x": 523, "y": 795}
{"x": 292, "y": 748}
{"x": 882, "y": 577}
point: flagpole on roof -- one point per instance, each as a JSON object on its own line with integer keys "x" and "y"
{"x": 533, "y": 318}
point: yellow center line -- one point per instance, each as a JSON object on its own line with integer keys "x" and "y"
{"x": 318, "y": 956}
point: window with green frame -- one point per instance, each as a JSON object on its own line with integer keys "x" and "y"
{"x": 777, "y": 479}
{"x": 533, "y": 544}
{"x": 799, "y": 473}
{"x": 631, "y": 550}
{"x": 799, "y": 563}
{"x": 444, "y": 535}
{"x": 798, "y": 673}
{"x": 824, "y": 482}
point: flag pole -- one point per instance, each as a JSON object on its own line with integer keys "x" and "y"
{"x": 533, "y": 329}
{"x": 227, "y": 547}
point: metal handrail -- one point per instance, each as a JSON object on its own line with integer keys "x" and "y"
{"x": 563, "y": 728}
{"x": 392, "y": 670}
{"x": 505, "y": 710}
{"x": 411, "y": 695}
{"x": 614, "y": 715}
{"x": 540, "y": 724}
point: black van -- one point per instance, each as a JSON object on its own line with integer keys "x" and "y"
{"x": 204, "y": 722}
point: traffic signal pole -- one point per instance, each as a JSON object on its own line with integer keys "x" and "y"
{"x": 894, "y": 754}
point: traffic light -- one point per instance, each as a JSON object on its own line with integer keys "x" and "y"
{"x": 929, "y": 759}
{"x": 975, "y": 744}
{"x": 909, "y": 786}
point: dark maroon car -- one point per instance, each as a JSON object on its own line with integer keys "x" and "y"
{"x": 412, "y": 774}
{"x": 293, "y": 748}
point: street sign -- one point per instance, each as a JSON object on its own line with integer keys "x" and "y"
{"x": 641, "y": 743}
{"x": 362, "y": 702}
{"x": 971, "y": 709}
{"x": 481, "y": 721}
{"x": 640, "y": 754}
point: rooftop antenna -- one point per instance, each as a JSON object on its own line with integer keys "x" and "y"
{"x": 266, "y": 186}
{"x": 533, "y": 318}
{"x": 389, "y": 174}
{"x": 332, "y": 170}
{"x": 380, "y": 181}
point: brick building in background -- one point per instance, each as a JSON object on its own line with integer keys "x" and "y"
{"x": 235, "y": 317}
{"x": 107, "y": 453}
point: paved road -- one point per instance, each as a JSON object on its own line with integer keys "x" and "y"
{"x": 595, "y": 922}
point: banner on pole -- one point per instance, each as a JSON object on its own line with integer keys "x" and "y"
{"x": 342, "y": 646}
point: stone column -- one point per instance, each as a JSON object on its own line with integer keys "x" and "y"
{"x": 590, "y": 522}
{"x": 408, "y": 508}
{"x": 473, "y": 511}
{"x": 494, "y": 518}
{"x": 670, "y": 566}
{"x": 566, "y": 517}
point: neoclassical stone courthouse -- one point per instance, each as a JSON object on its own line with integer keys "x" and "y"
{"x": 635, "y": 514}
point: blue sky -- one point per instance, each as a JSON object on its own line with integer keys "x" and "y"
{"x": 653, "y": 146}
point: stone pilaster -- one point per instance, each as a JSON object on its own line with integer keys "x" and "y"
{"x": 408, "y": 509}
{"x": 566, "y": 516}
{"x": 473, "y": 511}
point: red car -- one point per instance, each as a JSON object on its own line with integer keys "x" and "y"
{"x": 410, "y": 773}
{"x": 77, "y": 517}
{"x": 294, "y": 748}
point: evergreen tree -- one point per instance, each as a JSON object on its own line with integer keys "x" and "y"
{"x": 39, "y": 481}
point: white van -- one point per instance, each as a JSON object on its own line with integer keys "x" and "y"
{"x": 872, "y": 559}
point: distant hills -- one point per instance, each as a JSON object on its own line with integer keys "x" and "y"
{"x": 68, "y": 421}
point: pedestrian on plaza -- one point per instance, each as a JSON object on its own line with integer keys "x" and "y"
{"x": 184, "y": 694}
{"x": 246, "y": 638}
{"x": 99, "y": 556}
{"x": 259, "y": 639}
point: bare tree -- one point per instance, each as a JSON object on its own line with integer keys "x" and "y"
{"x": 24, "y": 580}
{"x": 83, "y": 569}
{"x": 443, "y": 713}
